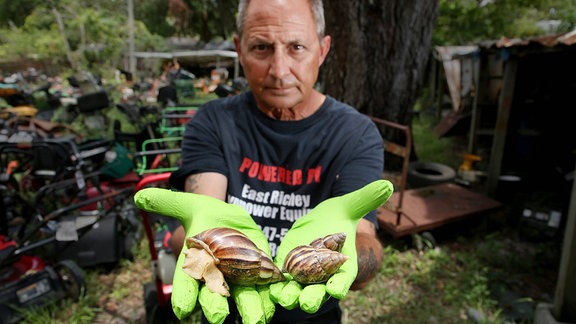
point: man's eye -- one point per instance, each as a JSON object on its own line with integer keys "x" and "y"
{"x": 260, "y": 47}
{"x": 298, "y": 47}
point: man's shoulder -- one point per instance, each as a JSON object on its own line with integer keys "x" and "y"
{"x": 239, "y": 101}
{"x": 225, "y": 109}
{"x": 343, "y": 111}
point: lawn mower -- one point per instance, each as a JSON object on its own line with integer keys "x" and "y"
{"x": 157, "y": 229}
{"x": 26, "y": 281}
{"x": 58, "y": 213}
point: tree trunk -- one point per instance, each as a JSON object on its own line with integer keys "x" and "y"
{"x": 62, "y": 31}
{"x": 380, "y": 50}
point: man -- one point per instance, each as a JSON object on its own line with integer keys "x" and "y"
{"x": 283, "y": 147}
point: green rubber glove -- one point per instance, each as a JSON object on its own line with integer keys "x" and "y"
{"x": 334, "y": 215}
{"x": 198, "y": 213}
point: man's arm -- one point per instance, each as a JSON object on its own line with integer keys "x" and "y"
{"x": 370, "y": 254}
{"x": 207, "y": 183}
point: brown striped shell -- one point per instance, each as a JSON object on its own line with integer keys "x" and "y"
{"x": 317, "y": 262}
{"x": 237, "y": 257}
{"x": 334, "y": 242}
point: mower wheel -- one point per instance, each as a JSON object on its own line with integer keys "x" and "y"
{"x": 72, "y": 279}
{"x": 156, "y": 313}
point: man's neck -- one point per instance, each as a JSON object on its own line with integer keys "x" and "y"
{"x": 299, "y": 112}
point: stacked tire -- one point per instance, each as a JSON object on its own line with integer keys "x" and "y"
{"x": 422, "y": 174}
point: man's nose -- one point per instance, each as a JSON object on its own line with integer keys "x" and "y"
{"x": 280, "y": 65}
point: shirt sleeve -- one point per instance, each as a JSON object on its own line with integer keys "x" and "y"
{"x": 364, "y": 165}
{"x": 201, "y": 149}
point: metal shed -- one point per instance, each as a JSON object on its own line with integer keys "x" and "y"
{"x": 515, "y": 100}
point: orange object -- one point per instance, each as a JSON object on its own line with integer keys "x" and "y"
{"x": 22, "y": 111}
{"x": 469, "y": 160}
{"x": 12, "y": 165}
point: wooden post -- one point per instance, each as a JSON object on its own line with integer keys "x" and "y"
{"x": 565, "y": 298}
{"x": 472, "y": 141}
{"x": 501, "y": 127}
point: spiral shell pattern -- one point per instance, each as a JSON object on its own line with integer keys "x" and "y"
{"x": 334, "y": 242}
{"x": 317, "y": 262}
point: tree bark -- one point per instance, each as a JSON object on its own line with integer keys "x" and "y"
{"x": 380, "y": 49}
{"x": 62, "y": 31}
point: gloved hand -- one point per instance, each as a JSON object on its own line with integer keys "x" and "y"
{"x": 334, "y": 215}
{"x": 198, "y": 213}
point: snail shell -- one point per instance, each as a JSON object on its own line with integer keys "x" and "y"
{"x": 334, "y": 242}
{"x": 315, "y": 263}
{"x": 237, "y": 257}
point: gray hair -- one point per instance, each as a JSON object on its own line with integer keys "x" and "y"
{"x": 315, "y": 5}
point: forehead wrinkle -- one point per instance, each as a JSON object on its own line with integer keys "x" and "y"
{"x": 268, "y": 39}
{"x": 278, "y": 34}
{"x": 279, "y": 22}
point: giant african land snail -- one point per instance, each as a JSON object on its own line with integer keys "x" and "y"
{"x": 222, "y": 255}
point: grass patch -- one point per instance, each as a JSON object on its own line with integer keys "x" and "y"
{"x": 107, "y": 292}
{"x": 431, "y": 148}
{"x": 434, "y": 286}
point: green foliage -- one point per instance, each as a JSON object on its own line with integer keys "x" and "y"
{"x": 14, "y": 13}
{"x": 96, "y": 32}
{"x": 470, "y": 21}
{"x": 153, "y": 14}
{"x": 430, "y": 147}
{"x": 567, "y": 16}
{"x": 211, "y": 19}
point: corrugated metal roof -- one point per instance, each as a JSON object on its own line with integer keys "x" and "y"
{"x": 199, "y": 55}
{"x": 554, "y": 40}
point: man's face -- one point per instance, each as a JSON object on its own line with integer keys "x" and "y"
{"x": 280, "y": 52}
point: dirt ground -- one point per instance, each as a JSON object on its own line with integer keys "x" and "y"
{"x": 123, "y": 301}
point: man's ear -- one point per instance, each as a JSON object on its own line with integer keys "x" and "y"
{"x": 237, "y": 45}
{"x": 238, "y": 48}
{"x": 324, "y": 48}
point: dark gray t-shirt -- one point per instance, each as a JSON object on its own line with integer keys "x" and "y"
{"x": 279, "y": 170}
